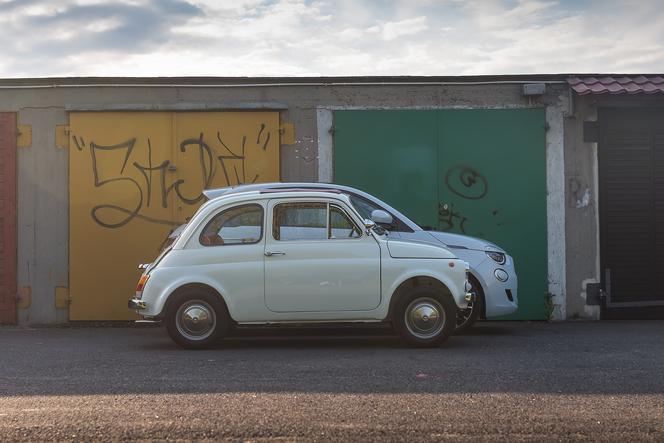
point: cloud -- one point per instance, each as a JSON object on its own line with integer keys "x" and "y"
{"x": 393, "y": 30}
{"x": 328, "y": 37}
{"x": 47, "y": 36}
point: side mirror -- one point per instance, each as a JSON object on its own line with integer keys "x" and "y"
{"x": 370, "y": 225}
{"x": 381, "y": 217}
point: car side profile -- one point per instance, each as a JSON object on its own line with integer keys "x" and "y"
{"x": 492, "y": 270}
{"x": 298, "y": 256}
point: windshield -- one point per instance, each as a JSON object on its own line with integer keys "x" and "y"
{"x": 364, "y": 207}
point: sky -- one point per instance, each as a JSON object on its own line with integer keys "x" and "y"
{"x": 329, "y": 37}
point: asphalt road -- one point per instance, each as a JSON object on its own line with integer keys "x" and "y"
{"x": 501, "y": 382}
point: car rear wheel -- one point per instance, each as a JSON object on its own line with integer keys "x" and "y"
{"x": 196, "y": 319}
{"x": 425, "y": 318}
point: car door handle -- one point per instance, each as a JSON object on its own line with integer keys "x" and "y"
{"x": 271, "y": 253}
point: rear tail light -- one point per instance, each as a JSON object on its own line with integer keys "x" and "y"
{"x": 141, "y": 284}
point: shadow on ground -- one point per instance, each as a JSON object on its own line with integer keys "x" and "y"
{"x": 519, "y": 357}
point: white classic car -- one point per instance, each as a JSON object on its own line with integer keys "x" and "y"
{"x": 298, "y": 256}
{"x": 492, "y": 273}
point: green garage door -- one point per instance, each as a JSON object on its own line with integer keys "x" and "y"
{"x": 480, "y": 172}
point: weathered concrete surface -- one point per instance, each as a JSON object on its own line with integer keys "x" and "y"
{"x": 522, "y": 381}
{"x": 582, "y": 217}
{"x": 43, "y": 216}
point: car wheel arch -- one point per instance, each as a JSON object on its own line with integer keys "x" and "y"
{"x": 197, "y": 287}
{"x": 476, "y": 282}
{"x": 423, "y": 281}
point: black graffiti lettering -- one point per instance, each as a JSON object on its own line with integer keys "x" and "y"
{"x": 162, "y": 168}
{"x": 466, "y": 182}
{"x": 205, "y": 158}
{"x": 128, "y": 146}
{"x": 146, "y": 171}
{"x": 80, "y": 144}
{"x": 233, "y": 156}
{"x": 106, "y": 214}
{"x": 447, "y": 217}
{"x": 267, "y": 137}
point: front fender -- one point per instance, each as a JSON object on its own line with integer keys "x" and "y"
{"x": 453, "y": 278}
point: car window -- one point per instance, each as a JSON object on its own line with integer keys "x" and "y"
{"x": 300, "y": 221}
{"x": 364, "y": 207}
{"x": 340, "y": 225}
{"x": 234, "y": 226}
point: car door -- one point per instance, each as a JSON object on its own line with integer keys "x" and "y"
{"x": 317, "y": 259}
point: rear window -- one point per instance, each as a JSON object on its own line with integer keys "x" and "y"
{"x": 234, "y": 226}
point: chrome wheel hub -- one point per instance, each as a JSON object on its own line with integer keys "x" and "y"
{"x": 425, "y": 317}
{"x": 195, "y": 320}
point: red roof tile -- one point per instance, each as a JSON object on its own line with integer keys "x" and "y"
{"x": 640, "y": 84}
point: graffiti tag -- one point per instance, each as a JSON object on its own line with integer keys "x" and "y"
{"x": 466, "y": 182}
{"x": 232, "y": 163}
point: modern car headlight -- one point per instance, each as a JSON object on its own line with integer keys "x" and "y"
{"x": 498, "y": 257}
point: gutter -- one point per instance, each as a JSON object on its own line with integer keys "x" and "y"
{"x": 267, "y": 85}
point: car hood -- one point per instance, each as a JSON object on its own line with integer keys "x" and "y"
{"x": 458, "y": 241}
{"x": 416, "y": 249}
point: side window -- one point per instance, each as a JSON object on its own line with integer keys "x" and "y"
{"x": 300, "y": 221}
{"x": 312, "y": 221}
{"x": 340, "y": 225}
{"x": 234, "y": 226}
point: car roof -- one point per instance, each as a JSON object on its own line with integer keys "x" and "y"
{"x": 218, "y": 192}
{"x": 261, "y": 194}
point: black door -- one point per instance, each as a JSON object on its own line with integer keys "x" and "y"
{"x": 631, "y": 198}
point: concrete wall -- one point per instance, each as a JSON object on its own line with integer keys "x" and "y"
{"x": 42, "y": 168}
{"x": 582, "y": 217}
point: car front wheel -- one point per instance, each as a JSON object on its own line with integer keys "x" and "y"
{"x": 425, "y": 318}
{"x": 196, "y": 319}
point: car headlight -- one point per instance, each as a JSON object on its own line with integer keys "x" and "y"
{"x": 498, "y": 257}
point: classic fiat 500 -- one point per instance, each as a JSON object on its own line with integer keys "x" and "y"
{"x": 298, "y": 256}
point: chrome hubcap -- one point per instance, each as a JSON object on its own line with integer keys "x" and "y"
{"x": 196, "y": 320}
{"x": 425, "y": 318}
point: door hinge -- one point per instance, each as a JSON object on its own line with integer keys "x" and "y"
{"x": 24, "y": 297}
{"x": 23, "y": 136}
{"x": 62, "y": 298}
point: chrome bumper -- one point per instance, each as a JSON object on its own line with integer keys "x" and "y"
{"x": 136, "y": 304}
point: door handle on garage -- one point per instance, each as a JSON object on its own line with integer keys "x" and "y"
{"x": 271, "y": 253}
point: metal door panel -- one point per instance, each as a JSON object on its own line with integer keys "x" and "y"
{"x": 321, "y": 276}
{"x": 136, "y": 175}
{"x": 8, "y": 218}
{"x": 418, "y": 161}
{"x": 631, "y": 176}
{"x": 492, "y": 185}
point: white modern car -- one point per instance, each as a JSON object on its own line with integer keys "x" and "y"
{"x": 493, "y": 277}
{"x": 298, "y": 256}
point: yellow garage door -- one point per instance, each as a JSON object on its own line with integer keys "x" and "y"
{"x": 134, "y": 176}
